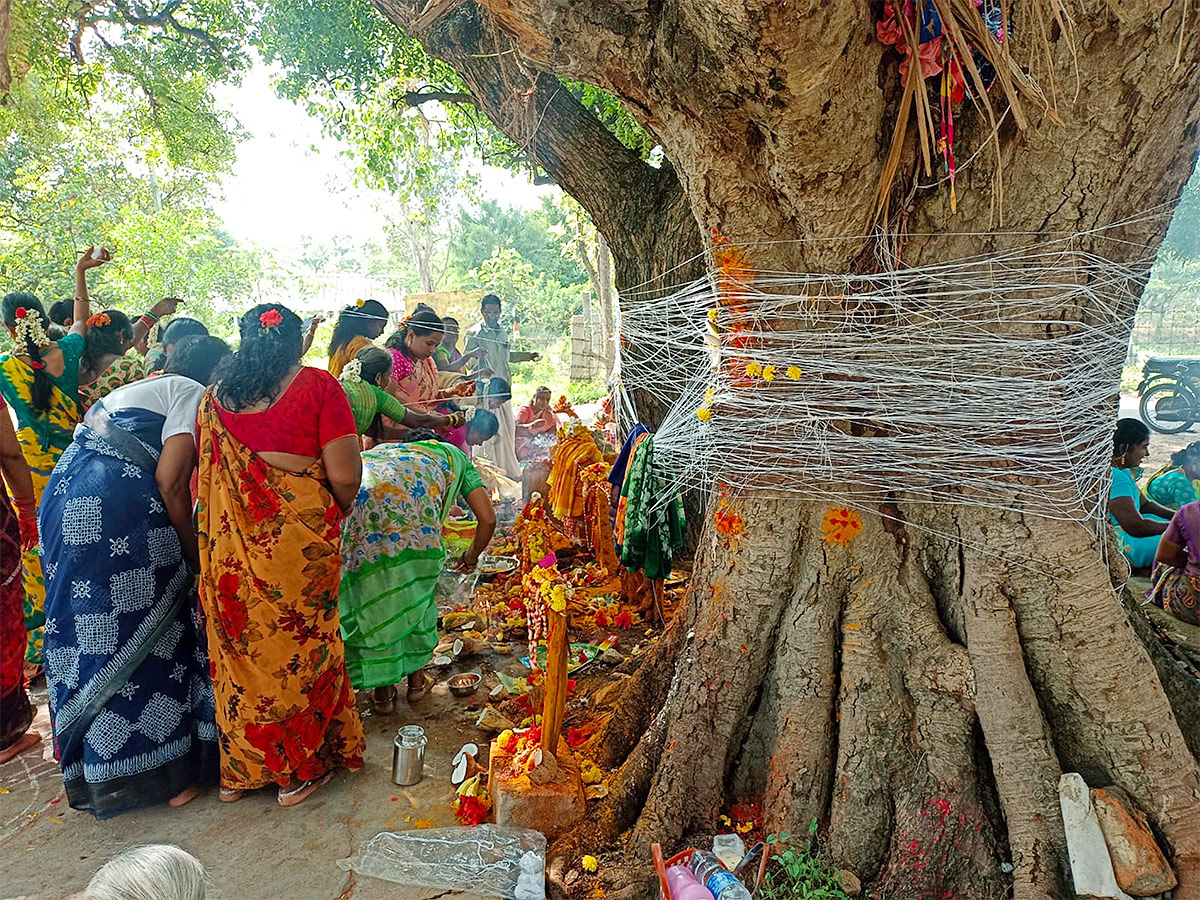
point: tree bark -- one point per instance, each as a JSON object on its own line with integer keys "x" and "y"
{"x": 637, "y": 207}
{"x": 914, "y": 694}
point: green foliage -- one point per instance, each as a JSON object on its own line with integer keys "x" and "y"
{"x": 799, "y": 874}
{"x": 113, "y": 137}
{"x": 103, "y": 180}
{"x": 586, "y": 391}
{"x": 542, "y": 305}
{"x": 354, "y": 70}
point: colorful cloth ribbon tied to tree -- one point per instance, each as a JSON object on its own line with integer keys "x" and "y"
{"x": 921, "y": 21}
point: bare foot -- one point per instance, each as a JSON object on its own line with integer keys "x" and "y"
{"x": 418, "y": 686}
{"x": 185, "y": 796}
{"x": 301, "y": 791}
{"x": 230, "y": 795}
{"x": 25, "y": 742}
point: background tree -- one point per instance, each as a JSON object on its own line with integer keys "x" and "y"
{"x": 958, "y": 678}
{"x": 112, "y": 136}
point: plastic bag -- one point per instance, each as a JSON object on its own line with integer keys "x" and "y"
{"x": 492, "y": 860}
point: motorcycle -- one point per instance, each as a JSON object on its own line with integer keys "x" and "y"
{"x": 1169, "y": 394}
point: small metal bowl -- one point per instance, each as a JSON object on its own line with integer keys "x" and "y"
{"x": 490, "y": 566}
{"x": 464, "y": 685}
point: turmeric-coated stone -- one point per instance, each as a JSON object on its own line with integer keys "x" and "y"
{"x": 1138, "y": 862}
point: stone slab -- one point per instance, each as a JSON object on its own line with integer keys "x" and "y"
{"x": 551, "y": 807}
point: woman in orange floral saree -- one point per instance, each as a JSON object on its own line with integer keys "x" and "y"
{"x": 270, "y": 564}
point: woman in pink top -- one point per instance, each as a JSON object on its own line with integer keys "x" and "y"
{"x": 413, "y": 367}
{"x": 1177, "y": 566}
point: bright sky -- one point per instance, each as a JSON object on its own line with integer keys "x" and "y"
{"x": 289, "y": 180}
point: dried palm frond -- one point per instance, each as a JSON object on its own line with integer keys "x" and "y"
{"x": 963, "y": 29}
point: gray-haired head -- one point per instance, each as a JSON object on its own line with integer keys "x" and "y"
{"x": 152, "y": 872}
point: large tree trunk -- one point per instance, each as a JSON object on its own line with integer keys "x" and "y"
{"x": 916, "y": 695}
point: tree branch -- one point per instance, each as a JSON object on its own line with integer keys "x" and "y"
{"x": 538, "y": 113}
{"x": 416, "y": 98}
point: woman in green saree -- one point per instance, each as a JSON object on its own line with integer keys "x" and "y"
{"x": 392, "y": 555}
{"x": 39, "y": 379}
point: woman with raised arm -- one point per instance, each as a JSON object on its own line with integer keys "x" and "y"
{"x": 279, "y": 468}
{"x": 39, "y": 380}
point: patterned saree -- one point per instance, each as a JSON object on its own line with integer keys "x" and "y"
{"x": 270, "y": 565}
{"x": 130, "y": 699}
{"x": 43, "y": 436}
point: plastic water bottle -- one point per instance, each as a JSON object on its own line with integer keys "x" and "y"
{"x": 721, "y": 883}
{"x": 684, "y": 886}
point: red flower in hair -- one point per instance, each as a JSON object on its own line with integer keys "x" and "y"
{"x": 99, "y": 320}
{"x": 21, "y": 312}
{"x": 270, "y": 318}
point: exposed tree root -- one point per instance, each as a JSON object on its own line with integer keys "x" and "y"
{"x": 918, "y": 712}
{"x": 637, "y": 701}
{"x": 1179, "y": 682}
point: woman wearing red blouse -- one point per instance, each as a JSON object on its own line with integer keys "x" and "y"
{"x": 279, "y": 468}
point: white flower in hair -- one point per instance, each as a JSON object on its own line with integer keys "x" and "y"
{"x": 29, "y": 328}
{"x": 352, "y": 371}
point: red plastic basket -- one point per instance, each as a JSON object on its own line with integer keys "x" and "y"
{"x": 682, "y": 859}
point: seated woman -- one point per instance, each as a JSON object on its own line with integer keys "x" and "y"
{"x": 535, "y": 421}
{"x": 1176, "y": 585}
{"x": 131, "y": 704}
{"x": 279, "y": 468}
{"x": 1139, "y": 522}
{"x": 1174, "y": 484}
{"x": 394, "y": 555}
{"x": 367, "y": 381}
{"x": 356, "y": 327}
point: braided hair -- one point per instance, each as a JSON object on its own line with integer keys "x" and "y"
{"x": 358, "y": 321}
{"x": 109, "y": 332}
{"x": 266, "y": 354}
{"x": 42, "y": 387}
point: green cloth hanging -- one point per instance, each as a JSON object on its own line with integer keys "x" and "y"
{"x": 654, "y": 517}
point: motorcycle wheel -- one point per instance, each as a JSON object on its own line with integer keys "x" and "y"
{"x": 1169, "y": 407}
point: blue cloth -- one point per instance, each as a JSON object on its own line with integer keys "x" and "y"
{"x": 616, "y": 477}
{"x": 131, "y": 704}
{"x": 1138, "y": 550}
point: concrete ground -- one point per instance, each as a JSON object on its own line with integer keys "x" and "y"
{"x": 253, "y": 849}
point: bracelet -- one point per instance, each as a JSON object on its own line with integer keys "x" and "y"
{"x": 152, "y": 317}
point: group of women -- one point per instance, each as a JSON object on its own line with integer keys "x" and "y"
{"x": 223, "y": 564}
{"x": 1158, "y": 527}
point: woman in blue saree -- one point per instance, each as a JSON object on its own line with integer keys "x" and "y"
{"x": 1138, "y": 521}
{"x": 131, "y": 703}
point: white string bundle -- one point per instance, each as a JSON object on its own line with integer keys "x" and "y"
{"x": 987, "y": 381}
